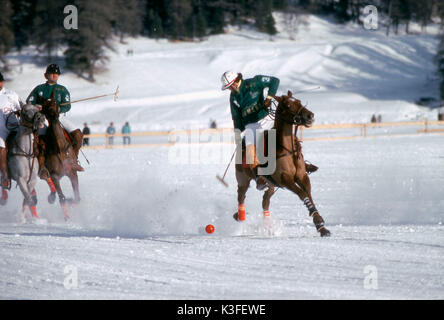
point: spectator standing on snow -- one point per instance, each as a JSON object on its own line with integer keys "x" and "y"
{"x": 86, "y": 131}
{"x": 126, "y": 131}
{"x": 110, "y": 131}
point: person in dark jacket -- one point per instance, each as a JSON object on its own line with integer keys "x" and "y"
{"x": 111, "y": 130}
{"x": 126, "y": 131}
{"x": 249, "y": 110}
{"x": 86, "y": 131}
{"x": 62, "y": 97}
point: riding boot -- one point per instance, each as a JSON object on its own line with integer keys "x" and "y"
{"x": 77, "y": 140}
{"x": 5, "y": 181}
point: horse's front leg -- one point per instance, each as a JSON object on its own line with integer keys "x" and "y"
{"x": 243, "y": 182}
{"x": 52, "y": 189}
{"x": 318, "y": 221}
{"x": 62, "y": 200}
{"x": 29, "y": 200}
{"x": 266, "y": 201}
{"x": 75, "y": 186}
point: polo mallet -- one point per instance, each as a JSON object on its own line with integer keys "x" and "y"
{"x": 115, "y": 94}
{"x": 306, "y": 90}
{"x": 223, "y": 177}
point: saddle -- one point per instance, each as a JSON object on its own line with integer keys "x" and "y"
{"x": 309, "y": 167}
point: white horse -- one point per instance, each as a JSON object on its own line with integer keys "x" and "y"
{"x": 23, "y": 166}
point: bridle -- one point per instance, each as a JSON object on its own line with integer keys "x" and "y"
{"x": 296, "y": 120}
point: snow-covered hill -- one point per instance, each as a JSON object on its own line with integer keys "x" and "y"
{"x": 138, "y": 233}
{"x": 167, "y": 85}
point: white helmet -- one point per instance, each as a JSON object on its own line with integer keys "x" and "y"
{"x": 228, "y": 79}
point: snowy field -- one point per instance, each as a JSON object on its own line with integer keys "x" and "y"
{"x": 139, "y": 231}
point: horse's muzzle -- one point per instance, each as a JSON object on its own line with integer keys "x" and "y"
{"x": 308, "y": 120}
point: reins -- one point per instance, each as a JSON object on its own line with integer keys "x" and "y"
{"x": 294, "y": 122}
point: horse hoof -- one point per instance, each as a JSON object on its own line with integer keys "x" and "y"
{"x": 73, "y": 202}
{"x": 52, "y": 197}
{"x": 236, "y": 217}
{"x": 324, "y": 232}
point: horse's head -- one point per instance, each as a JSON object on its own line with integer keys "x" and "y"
{"x": 49, "y": 107}
{"x": 30, "y": 116}
{"x": 291, "y": 110}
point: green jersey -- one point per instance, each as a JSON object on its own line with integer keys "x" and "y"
{"x": 45, "y": 90}
{"x": 247, "y": 105}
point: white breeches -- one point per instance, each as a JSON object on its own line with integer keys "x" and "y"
{"x": 253, "y": 130}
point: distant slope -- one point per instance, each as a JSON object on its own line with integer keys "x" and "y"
{"x": 166, "y": 85}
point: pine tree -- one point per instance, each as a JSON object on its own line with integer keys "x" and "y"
{"x": 270, "y": 24}
{"x": 423, "y": 12}
{"x": 440, "y": 11}
{"x": 22, "y": 20}
{"x": 201, "y": 25}
{"x": 260, "y": 15}
{"x": 87, "y": 44}
{"x": 264, "y": 20}
{"x": 127, "y": 18}
{"x": 440, "y": 62}
{"x": 279, "y": 4}
{"x": 341, "y": 11}
{"x": 7, "y": 35}
{"x": 48, "y": 28}
{"x": 215, "y": 15}
{"x": 293, "y": 18}
{"x": 154, "y": 25}
{"x": 178, "y": 12}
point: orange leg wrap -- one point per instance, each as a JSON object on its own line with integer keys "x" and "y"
{"x": 51, "y": 185}
{"x": 34, "y": 211}
{"x": 241, "y": 212}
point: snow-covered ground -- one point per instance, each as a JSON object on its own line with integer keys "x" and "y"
{"x": 139, "y": 230}
{"x": 138, "y": 233}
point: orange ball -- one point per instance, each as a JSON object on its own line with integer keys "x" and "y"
{"x": 209, "y": 228}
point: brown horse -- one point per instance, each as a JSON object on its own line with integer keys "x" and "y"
{"x": 290, "y": 172}
{"x": 59, "y": 156}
